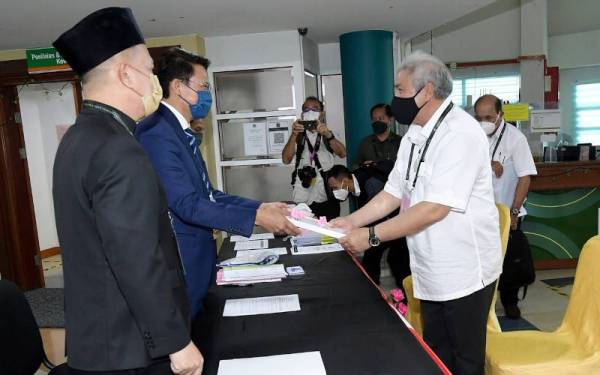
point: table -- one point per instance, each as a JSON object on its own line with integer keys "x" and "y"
{"x": 343, "y": 315}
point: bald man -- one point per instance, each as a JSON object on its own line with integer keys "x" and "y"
{"x": 513, "y": 166}
{"x": 126, "y": 308}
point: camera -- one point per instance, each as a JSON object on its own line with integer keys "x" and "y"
{"x": 306, "y": 175}
{"x": 309, "y": 120}
{"x": 303, "y": 31}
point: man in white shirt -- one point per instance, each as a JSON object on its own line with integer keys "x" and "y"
{"x": 314, "y": 147}
{"x": 443, "y": 184}
{"x": 513, "y": 166}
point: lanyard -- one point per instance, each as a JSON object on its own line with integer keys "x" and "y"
{"x": 422, "y": 158}
{"x": 117, "y": 117}
{"x": 313, "y": 150}
{"x": 498, "y": 142}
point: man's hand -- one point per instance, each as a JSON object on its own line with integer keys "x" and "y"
{"x": 356, "y": 241}
{"x": 187, "y": 361}
{"x": 297, "y": 128}
{"x": 272, "y": 217}
{"x": 343, "y": 223}
{"x": 497, "y": 168}
{"x": 323, "y": 130}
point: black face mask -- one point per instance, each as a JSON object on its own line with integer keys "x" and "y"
{"x": 379, "y": 127}
{"x": 405, "y": 109}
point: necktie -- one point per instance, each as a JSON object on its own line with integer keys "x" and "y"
{"x": 194, "y": 146}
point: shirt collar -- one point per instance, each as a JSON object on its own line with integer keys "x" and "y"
{"x": 356, "y": 192}
{"x": 117, "y": 115}
{"x": 182, "y": 121}
{"x": 418, "y": 137}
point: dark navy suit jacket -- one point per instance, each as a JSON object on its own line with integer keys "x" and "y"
{"x": 194, "y": 216}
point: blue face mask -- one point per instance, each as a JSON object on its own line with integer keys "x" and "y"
{"x": 202, "y": 107}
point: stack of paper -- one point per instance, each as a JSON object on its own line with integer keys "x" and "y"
{"x": 308, "y": 238}
{"x": 308, "y": 250}
{"x": 315, "y": 225}
{"x": 254, "y": 237}
{"x": 261, "y": 305}
{"x": 251, "y": 245}
{"x": 244, "y": 275}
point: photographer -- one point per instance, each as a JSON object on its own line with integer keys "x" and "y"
{"x": 314, "y": 147}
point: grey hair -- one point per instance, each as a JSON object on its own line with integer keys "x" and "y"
{"x": 424, "y": 68}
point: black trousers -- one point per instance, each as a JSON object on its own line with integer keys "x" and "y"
{"x": 397, "y": 258}
{"x": 330, "y": 209}
{"x": 510, "y": 297}
{"x": 159, "y": 367}
{"x": 456, "y": 330}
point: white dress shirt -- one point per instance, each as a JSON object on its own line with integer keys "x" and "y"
{"x": 515, "y": 156}
{"x": 182, "y": 121}
{"x": 315, "y": 193}
{"x": 460, "y": 254}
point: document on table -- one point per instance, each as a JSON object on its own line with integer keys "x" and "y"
{"x": 261, "y": 305}
{"x": 254, "y": 237}
{"x": 251, "y": 245}
{"x": 322, "y": 249}
{"x": 275, "y": 250}
{"x": 309, "y": 363}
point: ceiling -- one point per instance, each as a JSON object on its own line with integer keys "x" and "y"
{"x": 36, "y": 23}
{"x": 569, "y": 16}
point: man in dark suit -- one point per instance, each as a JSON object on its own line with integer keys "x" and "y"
{"x": 197, "y": 208}
{"x": 126, "y": 309}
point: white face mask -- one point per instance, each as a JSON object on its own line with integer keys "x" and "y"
{"x": 489, "y": 127}
{"x": 341, "y": 194}
{"x": 311, "y": 115}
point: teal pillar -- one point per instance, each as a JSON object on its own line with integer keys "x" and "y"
{"x": 367, "y": 79}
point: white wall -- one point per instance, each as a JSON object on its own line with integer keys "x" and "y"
{"x": 329, "y": 58}
{"x": 492, "y": 33}
{"x": 310, "y": 55}
{"x": 574, "y": 50}
{"x": 43, "y": 107}
{"x": 253, "y": 49}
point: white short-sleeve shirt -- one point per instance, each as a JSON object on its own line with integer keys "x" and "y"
{"x": 460, "y": 254}
{"x": 515, "y": 156}
{"x": 315, "y": 193}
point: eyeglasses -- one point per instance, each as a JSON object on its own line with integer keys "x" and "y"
{"x": 204, "y": 86}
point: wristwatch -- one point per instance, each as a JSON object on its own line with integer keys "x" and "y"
{"x": 331, "y": 137}
{"x": 515, "y": 211}
{"x": 374, "y": 241}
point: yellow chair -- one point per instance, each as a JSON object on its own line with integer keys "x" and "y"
{"x": 414, "y": 305}
{"x": 574, "y": 348}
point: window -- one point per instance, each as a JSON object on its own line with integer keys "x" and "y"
{"x": 587, "y": 113}
{"x": 505, "y": 87}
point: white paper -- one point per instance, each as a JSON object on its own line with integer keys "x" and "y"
{"x": 313, "y": 225}
{"x": 255, "y": 139}
{"x": 322, "y": 249}
{"x": 278, "y": 137}
{"x": 257, "y": 236}
{"x": 261, "y": 305}
{"x": 309, "y": 363}
{"x": 253, "y": 272}
{"x": 276, "y": 250}
{"x": 251, "y": 245}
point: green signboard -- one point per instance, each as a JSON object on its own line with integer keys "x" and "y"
{"x": 45, "y": 60}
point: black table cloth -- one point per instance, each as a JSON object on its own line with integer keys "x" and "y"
{"x": 343, "y": 316}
